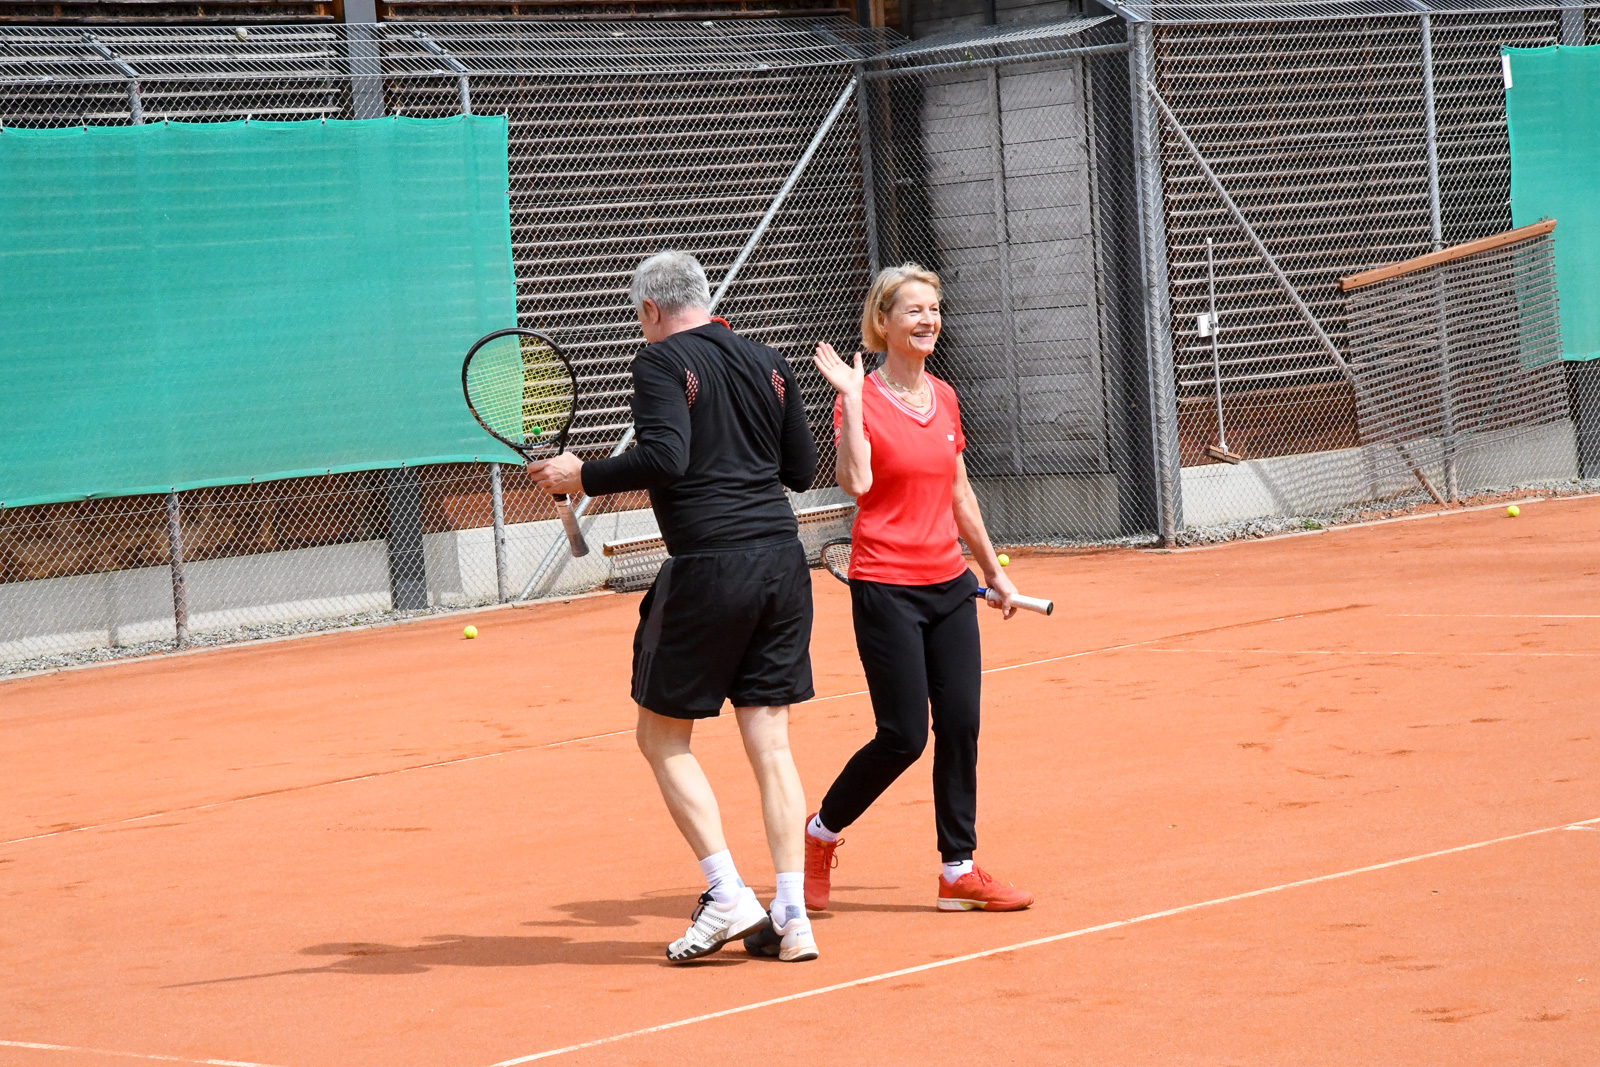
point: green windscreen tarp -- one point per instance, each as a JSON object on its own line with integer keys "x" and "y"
{"x": 202, "y": 304}
{"x": 1553, "y": 108}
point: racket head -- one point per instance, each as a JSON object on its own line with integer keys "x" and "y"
{"x": 836, "y": 557}
{"x": 522, "y": 389}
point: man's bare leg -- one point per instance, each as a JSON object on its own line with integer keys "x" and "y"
{"x": 728, "y": 910}
{"x": 765, "y": 731}
{"x": 783, "y": 800}
{"x": 665, "y": 743}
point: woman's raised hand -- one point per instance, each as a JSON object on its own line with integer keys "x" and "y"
{"x": 844, "y": 377}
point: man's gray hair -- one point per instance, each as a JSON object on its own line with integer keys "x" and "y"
{"x": 674, "y": 280}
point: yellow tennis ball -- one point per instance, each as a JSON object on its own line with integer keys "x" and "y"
{"x": 470, "y": 632}
{"x": 1005, "y": 560}
{"x": 1513, "y": 511}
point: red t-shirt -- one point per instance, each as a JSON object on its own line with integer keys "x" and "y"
{"x": 905, "y": 528}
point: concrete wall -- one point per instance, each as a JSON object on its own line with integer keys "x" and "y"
{"x": 134, "y": 606}
{"x": 461, "y": 563}
{"x": 1050, "y": 507}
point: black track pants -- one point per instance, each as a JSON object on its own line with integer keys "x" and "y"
{"x": 919, "y": 645}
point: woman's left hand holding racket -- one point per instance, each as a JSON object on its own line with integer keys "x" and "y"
{"x": 522, "y": 389}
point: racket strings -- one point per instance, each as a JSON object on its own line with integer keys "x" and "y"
{"x": 836, "y": 557}
{"x": 522, "y": 390}
{"x": 547, "y": 396}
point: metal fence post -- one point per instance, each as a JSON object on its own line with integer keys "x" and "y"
{"x": 180, "y": 592}
{"x": 1583, "y": 379}
{"x": 1163, "y": 396}
{"x": 869, "y": 191}
{"x": 408, "y": 566}
{"x": 1002, "y": 245}
{"x": 1573, "y": 14}
{"x": 1447, "y": 414}
{"x": 497, "y": 504}
{"x": 366, "y": 65}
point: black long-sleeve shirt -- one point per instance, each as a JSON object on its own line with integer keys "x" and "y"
{"x": 720, "y": 429}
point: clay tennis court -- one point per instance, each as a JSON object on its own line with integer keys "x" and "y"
{"x": 1322, "y": 799}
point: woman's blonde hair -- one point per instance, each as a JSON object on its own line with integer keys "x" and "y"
{"x": 881, "y": 297}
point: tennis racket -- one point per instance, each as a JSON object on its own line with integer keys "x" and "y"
{"x": 836, "y": 557}
{"x": 522, "y": 389}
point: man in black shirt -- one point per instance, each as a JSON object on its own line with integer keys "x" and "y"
{"x": 720, "y": 429}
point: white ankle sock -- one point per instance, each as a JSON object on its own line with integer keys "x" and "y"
{"x": 791, "y": 900}
{"x": 722, "y": 877}
{"x": 951, "y": 871}
{"x": 819, "y": 831}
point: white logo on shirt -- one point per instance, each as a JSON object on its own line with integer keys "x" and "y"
{"x": 949, "y": 437}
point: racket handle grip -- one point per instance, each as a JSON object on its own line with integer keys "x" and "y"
{"x": 569, "y": 522}
{"x": 1026, "y": 603}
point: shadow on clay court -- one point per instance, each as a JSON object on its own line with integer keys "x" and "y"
{"x": 590, "y": 914}
{"x": 838, "y": 907}
{"x": 461, "y": 950}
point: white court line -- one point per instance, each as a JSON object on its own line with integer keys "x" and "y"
{"x": 612, "y": 733}
{"x": 1429, "y": 615}
{"x": 1036, "y": 942}
{"x": 128, "y": 1055}
{"x": 1357, "y": 652}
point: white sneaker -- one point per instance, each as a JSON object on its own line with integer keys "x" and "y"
{"x": 792, "y": 942}
{"x": 712, "y": 927}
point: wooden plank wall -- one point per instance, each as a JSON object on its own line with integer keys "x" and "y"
{"x": 1008, "y": 178}
{"x": 924, "y": 18}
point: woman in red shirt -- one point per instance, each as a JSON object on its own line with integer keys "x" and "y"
{"x": 899, "y": 440}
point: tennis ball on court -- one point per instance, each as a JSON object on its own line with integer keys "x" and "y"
{"x": 1005, "y": 560}
{"x": 1513, "y": 511}
{"x": 470, "y": 632}
{"x": 241, "y": 33}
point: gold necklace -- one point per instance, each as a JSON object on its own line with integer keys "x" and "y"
{"x": 901, "y": 389}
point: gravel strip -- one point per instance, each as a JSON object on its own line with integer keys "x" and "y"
{"x": 1412, "y": 503}
{"x": 210, "y": 638}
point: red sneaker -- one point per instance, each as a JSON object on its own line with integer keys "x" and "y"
{"x": 820, "y": 862}
{"x": 974, "y": 891}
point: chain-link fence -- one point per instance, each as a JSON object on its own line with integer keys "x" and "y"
{"x": 1095, "y": 194}
{"x": 1335, "y": 138}
{"x": 736, "y": 141}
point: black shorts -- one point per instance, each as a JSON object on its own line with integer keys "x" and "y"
{"x": 725, "y": 626}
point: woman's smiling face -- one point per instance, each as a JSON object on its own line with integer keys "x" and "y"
{"x": 912, "y": 325}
